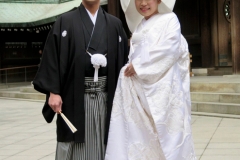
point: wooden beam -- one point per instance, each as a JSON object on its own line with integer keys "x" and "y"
{"x": 235, "y": 27}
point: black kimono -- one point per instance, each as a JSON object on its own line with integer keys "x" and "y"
{"x": 64, "y": 64}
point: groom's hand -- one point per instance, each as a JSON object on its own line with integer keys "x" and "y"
{"x": 55, "y": 102}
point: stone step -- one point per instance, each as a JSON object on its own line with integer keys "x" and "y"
{"x": 213, "y": 107}
{"x": 216, "y": 97}
{"x": 215, "y": 87}
{"x": 200, "y": 71}
{"x": 28, "y": 89}
{"x": 12, "y": 85}
{"x": 232, "y": 116}
{"x": 23, "y": 95}
{"x": 212, "y": 71}
{"x": 220, "y": 71}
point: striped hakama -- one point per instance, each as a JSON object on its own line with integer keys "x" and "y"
{"x": 95, "y": 103}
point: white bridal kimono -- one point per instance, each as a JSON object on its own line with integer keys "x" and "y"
{"x": 151, "y": 111}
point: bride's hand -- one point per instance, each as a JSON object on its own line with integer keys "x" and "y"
{"x": 129, "y": 70}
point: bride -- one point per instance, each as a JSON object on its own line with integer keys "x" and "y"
{"x": 151, "y": 111}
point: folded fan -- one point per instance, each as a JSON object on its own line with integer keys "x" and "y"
{"x": 70, "y": 125}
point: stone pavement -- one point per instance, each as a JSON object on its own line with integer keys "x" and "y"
{"x": 24, "y": 134}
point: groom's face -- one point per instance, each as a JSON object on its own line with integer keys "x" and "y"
{"x": 91, "y": 1}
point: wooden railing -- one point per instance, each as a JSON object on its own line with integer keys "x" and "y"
{"x": 18, "y": 74}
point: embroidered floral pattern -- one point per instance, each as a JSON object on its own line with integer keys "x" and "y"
{"x": 140, "y": 151}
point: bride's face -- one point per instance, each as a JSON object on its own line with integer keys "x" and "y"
{"x": 147, "y": 8}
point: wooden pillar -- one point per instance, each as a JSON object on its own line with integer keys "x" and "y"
{"x": 214, "y": 31}
{"x": 223, "y": 36}
{"x": 235, "y": 27}
{"x": 206, "y": 45}
{"x": 2, "y": 46}
{"x": 114, "y": 7}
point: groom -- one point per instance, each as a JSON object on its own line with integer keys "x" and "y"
{"x": 66, "y": 71}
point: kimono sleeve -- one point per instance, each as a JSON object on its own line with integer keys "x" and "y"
{"x": 47, "y": 78}
{"x": 163, "y": 55}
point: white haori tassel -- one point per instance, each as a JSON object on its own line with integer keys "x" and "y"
{"x": 96, "y": 72}
{"x": 97, "y": 60}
